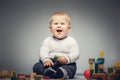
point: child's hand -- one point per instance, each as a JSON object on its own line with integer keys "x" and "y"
{"x": 48, "y": 63}
{"x": 62, "y": 60}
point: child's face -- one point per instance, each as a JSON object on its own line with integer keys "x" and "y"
{"x": 59, "y": 26}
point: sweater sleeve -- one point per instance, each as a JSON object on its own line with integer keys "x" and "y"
{"x": 73, "y": 52}
{"x": 44, "y": 50}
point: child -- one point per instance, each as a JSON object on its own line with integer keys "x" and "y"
{"x": 58, "y": 52}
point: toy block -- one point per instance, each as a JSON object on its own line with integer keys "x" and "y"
{"x": 13, "y": 78}
{"x": 100, "y": 66}
{"x": 99, "y": 75}
{"x": 90, "y": 66}
{"x": 60, "y": 79}
{"x": 20, "y": 77}
{"x": 117, "y": 70}
{"x": 91, "y": 60}
{"x": 27, "y": 77}
{"x": 4, "y": 72}
{"x": 101, "y": 53}
{"x": 4, "y": 76}
{"x": 91, "y": 72}
{"x": 38, "y": 77}
{"x": 32, "y": 75}
{"x": 101, "y": 60}
{"x": 117, "y": 77}
{"x": 46, "y": 78}
{"x": 113, "y": 76}
{"x": 110, "y": 76}
{"x": 96, "y": 68}
{"x": 110, "y": 70}
{"x": 13, "y": 74}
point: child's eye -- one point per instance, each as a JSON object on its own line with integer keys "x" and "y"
{"x": 62, "y": 23}
{"x": 55, "y": 23}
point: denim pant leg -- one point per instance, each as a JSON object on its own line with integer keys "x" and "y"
{"x": 71, "y": 69}
{"x": 38, "y": 68}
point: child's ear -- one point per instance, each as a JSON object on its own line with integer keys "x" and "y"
{"x": 50, "y": 27}
{"x": 69, "y": 28}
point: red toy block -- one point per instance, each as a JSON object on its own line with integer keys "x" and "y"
{"x": 100, "y": 75}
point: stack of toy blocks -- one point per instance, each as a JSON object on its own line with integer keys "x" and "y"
{"x": 4, "y": 74}
{"x": 91, "y": 61}
{"x": 115, "y": 75}
{"x": 99, "y": 68}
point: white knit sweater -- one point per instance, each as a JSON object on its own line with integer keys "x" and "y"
{"x": 67, "y": 47}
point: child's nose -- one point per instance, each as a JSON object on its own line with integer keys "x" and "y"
{"x": 59, "y": 26}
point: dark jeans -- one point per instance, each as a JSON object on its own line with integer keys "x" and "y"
{"x": 71, "y": 68}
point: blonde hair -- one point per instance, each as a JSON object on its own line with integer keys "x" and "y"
{"x": 68, "y": 19}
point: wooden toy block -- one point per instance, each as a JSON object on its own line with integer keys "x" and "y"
{"x": 110, "y": 70}
{"x": 91, "y": 60}
{"x": 46, "y": 78}
{"x": 32, "y": 75}
{"x": 99, "y": 75}
{"x": 27, "y": 77}
{"x": 101, "y": 60}
{"x": 101, "y": 54}
{"x": 4, "y": 72}
{"x": 38, "y": 77}
{"x": 4, "y": 76}
{"x": 90, "y": 66}
{"x": 13, "y": 74}
{"x": 21, "y": 77}
{"x": 110, "y": 76}
{"x": 60, "y": 79}
{"x": 100, "y": 66}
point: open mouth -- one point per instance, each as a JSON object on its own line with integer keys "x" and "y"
{"x": 59, "y": 30}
